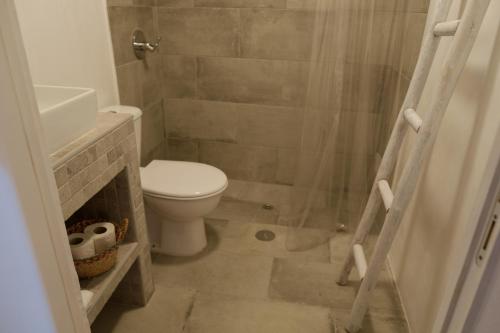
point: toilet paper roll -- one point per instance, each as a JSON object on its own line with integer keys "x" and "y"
{"x": 86, "y": 297}
{"x": 103, "y": 235}
{"x": 82, "y": 246}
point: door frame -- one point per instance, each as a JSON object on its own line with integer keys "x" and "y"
{"x": 457, "y": 304}
{"x": 33, "y": 182}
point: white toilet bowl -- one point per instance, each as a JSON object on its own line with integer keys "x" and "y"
{"x": 177, "y": 196}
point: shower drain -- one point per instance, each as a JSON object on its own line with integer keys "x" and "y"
{"x": 265, "y": 235}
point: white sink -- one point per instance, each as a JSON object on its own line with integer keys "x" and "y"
{"x": 66, "y": 113}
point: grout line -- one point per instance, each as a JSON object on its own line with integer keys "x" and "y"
{"x": 239, "y": 57}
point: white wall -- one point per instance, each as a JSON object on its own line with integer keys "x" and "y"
{"x": 423, "y": 253}
{"x": 68, "y": 43}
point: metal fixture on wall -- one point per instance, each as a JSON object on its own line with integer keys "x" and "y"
{"x": 140, "y": 45}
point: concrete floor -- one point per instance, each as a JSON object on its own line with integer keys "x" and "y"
{"x": 240, "y": 284}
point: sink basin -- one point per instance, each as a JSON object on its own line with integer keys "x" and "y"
{"x": 66, "y": 113}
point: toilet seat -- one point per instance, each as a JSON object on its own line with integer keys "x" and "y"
{"x": 178, "y": 180}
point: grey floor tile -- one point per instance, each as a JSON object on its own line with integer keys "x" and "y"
{"x": 235, "y": 210}
{"x": 240, "y": 284}
{"x": 165, "y": 312}
{"x": 371, "y": 323}
{"x": 266, "y": 216}
{"x": 215, "y": 271}
{"x": 219, "y": 314}
{"x": 239, "y": 238}
{"x": 314, "y": 283}
{"x": 339, "y": 246}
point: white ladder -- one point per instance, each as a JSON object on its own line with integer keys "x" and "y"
{"x": 464, "y": 31}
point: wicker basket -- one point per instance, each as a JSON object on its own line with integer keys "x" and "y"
{"x": 103, "y": 262}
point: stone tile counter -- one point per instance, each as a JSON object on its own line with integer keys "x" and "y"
{"x": 97, "y": 175}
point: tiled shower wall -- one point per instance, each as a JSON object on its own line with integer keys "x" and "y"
{"x": 227, "y": 87}
{"x": 139, "y": 81}
{"x": 235, "y": 78}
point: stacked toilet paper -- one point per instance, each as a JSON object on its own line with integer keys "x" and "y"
{"x": 96, "y": 238}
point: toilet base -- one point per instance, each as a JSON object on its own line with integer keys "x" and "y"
{"x": 184, "y": 238}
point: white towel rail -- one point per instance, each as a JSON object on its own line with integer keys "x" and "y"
{"x": 464, "y": 32}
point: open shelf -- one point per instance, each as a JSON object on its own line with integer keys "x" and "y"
{"x": 103, "y": 285}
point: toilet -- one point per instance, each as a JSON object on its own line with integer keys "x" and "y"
{"x": 177, "y": 196}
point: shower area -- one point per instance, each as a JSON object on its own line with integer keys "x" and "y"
{"x": 294, "y": 100}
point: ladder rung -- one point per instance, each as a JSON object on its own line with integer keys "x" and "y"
{"x": 413, "y": 119}
{"x": 447, "y": 28}
{"x": 359, "y": 259}
{"x": 386, "y": 193}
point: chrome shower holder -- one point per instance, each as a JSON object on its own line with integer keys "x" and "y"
{"x": 140, "y": 45}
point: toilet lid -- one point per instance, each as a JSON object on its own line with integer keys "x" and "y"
{"x": 181, "y": 179}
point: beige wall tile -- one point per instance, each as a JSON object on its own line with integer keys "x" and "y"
{"x": 357, "y": 133}
{"x": 383, "y": 46}
{"x": 123, "y": 21}
{"x": 156, "y": 153}
{"x": 129, "y": 86}
{"x": 386, "y": 5}
{"x": 353, "y": 172}
{"x": 196, "y": 119}
{"x": 272, "y": 82}
{"x": 61, "y": 175}
{"x": 65, "y": 193}
{"x": 287, "y": 166}
{"x": 175, "y": 3}
{"x": 139, "y": 82}
{"x": 241, "y": 162}
{"x": 358, "y": 91}
{"x": 413, "y": 37}
{"x": 183, "y": 150}
{"x": 199, "y": 31}
{"x": 301, "y": 4}
{"x": 241, "y": 3}
{"x": 150, "y": 79}
{"x": 395, "y": 90}
{"x": 389, "y": 114}
{"x": 269, "y": 126}
{"x": 276, "y": 34}
{"x": 131, "y": 3}
{"x": 179, "y": 76}
{"x": 270, "y": 40}
{"x": 81, "y": 161}
{"x": 152, "y": 128}
{"x": 380, "y": 5}
{"x": 419, "y": 6}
